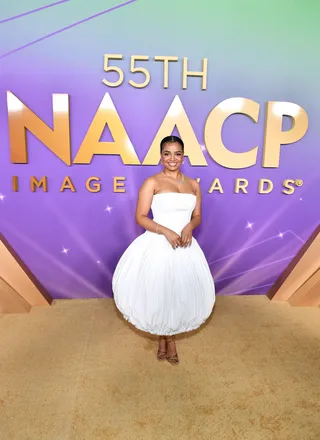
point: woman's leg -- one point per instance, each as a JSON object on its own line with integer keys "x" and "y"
{"x": 162, "y": 349}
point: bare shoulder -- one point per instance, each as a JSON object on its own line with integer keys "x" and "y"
{"x": 157, "y": 177}
{"x": 150, "y": 183}
{"x": 193, "y": 183}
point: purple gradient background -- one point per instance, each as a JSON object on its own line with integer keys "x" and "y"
{"x": 38, "y": 225}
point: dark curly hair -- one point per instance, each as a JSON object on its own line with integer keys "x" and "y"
{"x": 171, "y": 140}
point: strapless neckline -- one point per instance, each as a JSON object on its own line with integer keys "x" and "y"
{"x": 171, "y": 192}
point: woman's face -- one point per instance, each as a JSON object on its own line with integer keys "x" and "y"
{"x": 172, "y": 156}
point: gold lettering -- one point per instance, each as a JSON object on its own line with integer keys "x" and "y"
{"x": 213, "y": 133}
{"x": 241, "y": 184}
{"x": 107, "y": 114}
{"x": 108, "y": 68}
{"x": 289, "y": 185}
{"x": 67, "y": 184}
{"x": 15, "y": 183}
{"x": 262, "y": 189}
{"x": 176, "y": 117}
{"x": 165, "y": 68}
{"x": 142, "y": 70}
{"x": 118, "y": 187}
{"x": 216, "y": 186}
{"x": 275, "y": 137}
{"x": 21, "y": 118}
{"x": 96, "y": 187}
{"x": 42, "y": 183}
{"x": 203, "y": 73}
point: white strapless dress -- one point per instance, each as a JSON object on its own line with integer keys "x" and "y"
{"x": 161, "y": 290}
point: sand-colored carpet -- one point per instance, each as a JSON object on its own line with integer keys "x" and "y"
{"x": 78, "y": 371}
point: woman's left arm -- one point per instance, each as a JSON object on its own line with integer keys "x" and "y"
{"x": 186, "y": 234}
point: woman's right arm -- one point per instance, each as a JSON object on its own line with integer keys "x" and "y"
{"x": 143, "y": 207}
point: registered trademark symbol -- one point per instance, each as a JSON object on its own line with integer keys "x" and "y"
{"x": 299, "y": 182}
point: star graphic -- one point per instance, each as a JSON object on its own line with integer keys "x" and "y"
{"x": 2, "y": 197}
{"x": 281, "y": 234}
{"x": 249, "y": 225}
{"x": 203, "y": 148}
{"x": 108, "y": 208}
{"x": 65, "y": 251}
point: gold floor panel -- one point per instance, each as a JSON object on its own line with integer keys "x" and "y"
{"x": 78, "y": 371}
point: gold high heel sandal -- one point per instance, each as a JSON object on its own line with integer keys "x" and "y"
{"x": 173, "y": 359}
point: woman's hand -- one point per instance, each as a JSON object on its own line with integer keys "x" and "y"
{"x": 173, "y": 238}
{"x": 186, "y": 235}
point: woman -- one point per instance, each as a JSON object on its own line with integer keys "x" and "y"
{"x": 162, "y": 283}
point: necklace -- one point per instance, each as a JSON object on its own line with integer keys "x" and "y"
{"x": 179, "y": 182}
